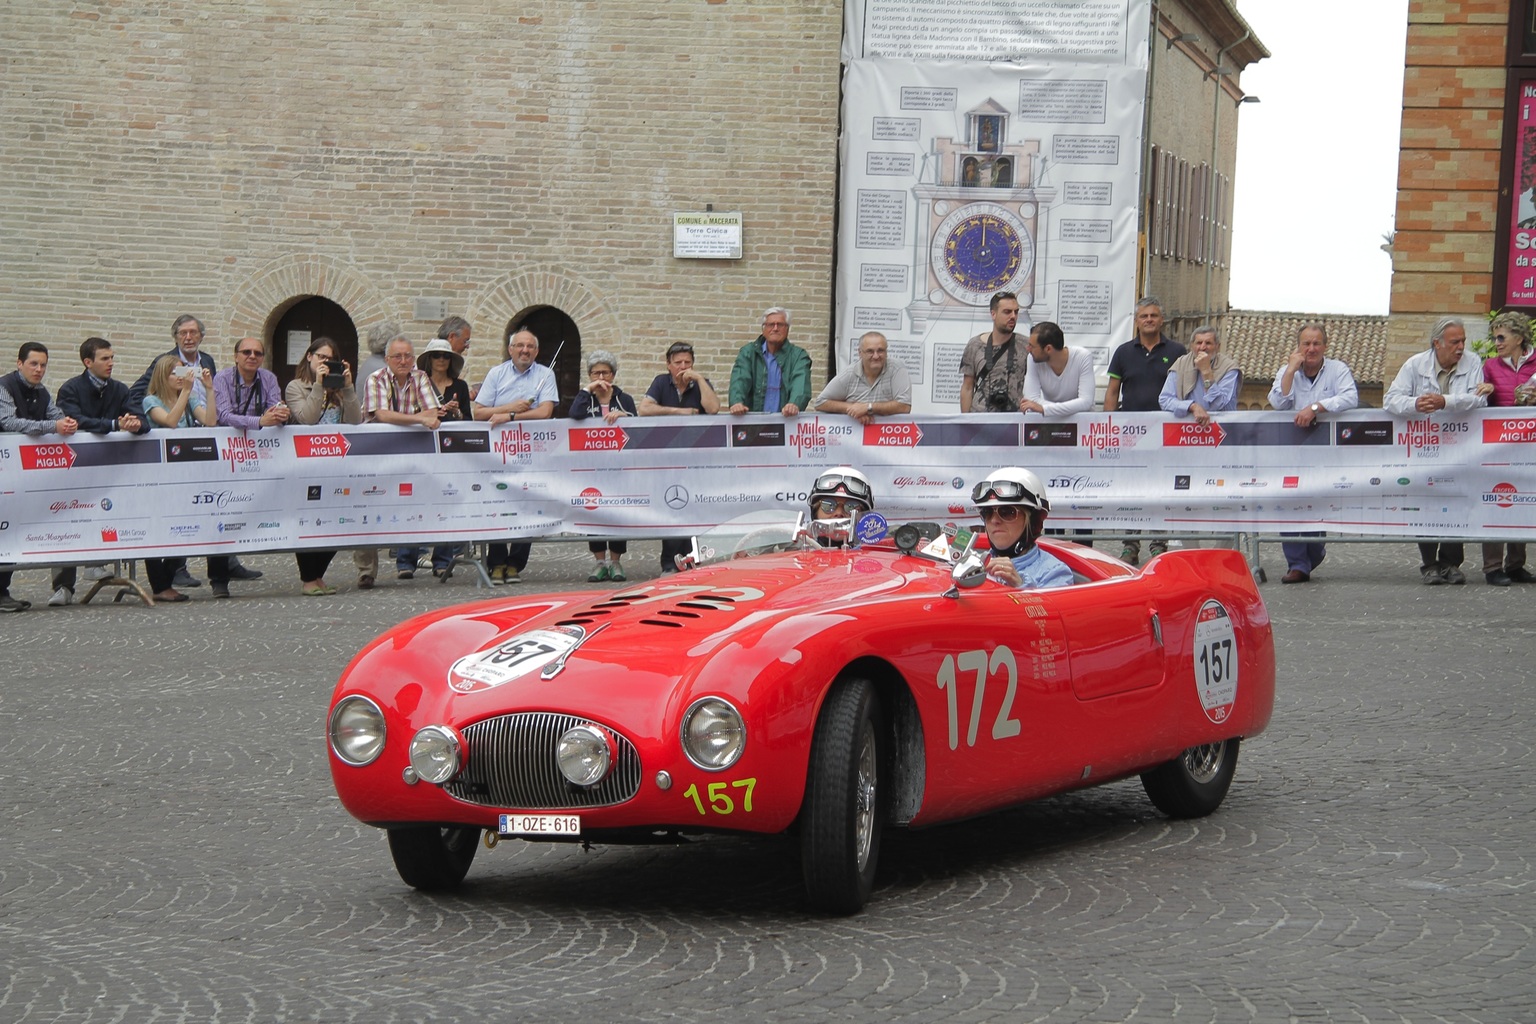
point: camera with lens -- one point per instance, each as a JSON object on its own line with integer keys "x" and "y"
{"x": 994, "y": 394}
{"x": 334, "y": 378}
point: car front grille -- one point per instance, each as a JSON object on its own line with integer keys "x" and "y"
{"x": 511, "y": 764}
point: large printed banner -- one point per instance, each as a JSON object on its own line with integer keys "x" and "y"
{"x": 219, "y": 490}
{"x": 963, "y": 180}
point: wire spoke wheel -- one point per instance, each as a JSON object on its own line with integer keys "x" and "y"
{"x": 1195, "y": 783}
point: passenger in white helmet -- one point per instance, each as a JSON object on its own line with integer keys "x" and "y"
{"x": 841, "y": 493}
{"x": 837, "y": 499}
{"x": 1013, "y": 509}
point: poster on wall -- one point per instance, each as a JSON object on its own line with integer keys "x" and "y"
{"x": 961, "y": 180}
{"x": 1520, "y": 277}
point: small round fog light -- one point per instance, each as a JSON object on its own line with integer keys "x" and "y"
{"x": 713, "y": 734}
{"x": 584, "y": 753}
{"x": 436, "y": 754}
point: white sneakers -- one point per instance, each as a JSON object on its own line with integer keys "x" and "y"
{"x": 61, "y": 597}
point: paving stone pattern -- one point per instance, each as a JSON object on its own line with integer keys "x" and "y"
{"x": 172, "y": 849}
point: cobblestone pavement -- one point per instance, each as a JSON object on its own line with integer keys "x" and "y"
{"x": 172, "y": 849}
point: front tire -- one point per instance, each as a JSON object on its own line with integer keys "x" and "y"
{"x": 431, "y": 858}
{"x": 844, "y": 801}
{"x": 1195, "y": 783}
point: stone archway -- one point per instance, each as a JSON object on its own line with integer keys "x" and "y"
{"x": 517, "y": 291}
{"x": 259, "y": 301}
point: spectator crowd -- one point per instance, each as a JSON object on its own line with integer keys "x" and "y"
{"x": 1037, "y": 373}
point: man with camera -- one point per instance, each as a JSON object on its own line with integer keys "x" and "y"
{"x": 247, "y": 397}
{"x": 247, "y": 394}
{"x": 994, "y": 363}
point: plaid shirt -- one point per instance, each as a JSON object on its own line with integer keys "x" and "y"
{"x": 383, "y": 393}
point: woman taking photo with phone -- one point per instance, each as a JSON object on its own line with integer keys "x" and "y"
{"x": 320, "y": 393}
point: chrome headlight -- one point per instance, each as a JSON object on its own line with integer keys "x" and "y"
{"x": 584, "y": 754}
{"x": 713, "y": 734}
{"x": 356, "y": 730}
{"x": 437, "y": 754}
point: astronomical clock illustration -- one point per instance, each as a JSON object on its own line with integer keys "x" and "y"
{"x": 980, "y": 224}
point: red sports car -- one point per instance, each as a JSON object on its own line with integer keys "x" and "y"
{"x": 826, "y": 691}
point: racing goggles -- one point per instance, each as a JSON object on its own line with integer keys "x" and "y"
{"x": 841, "y": 483}
{"x": 1002, "y": 490}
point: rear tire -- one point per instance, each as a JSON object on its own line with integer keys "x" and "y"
{"x": 431, "y": 858}
{"x": 844, "y": 800}
{"x": 1193, "y": 784}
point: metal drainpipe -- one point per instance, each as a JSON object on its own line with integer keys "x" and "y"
{"x": 1144, "y": 215}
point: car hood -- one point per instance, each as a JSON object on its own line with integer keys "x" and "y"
{"x": 622, "y": 650}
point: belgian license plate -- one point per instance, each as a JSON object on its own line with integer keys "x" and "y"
{"x": 540, "y": 825}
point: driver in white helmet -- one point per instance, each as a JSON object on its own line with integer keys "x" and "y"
{"x": 841, "y": 493}
{"x": 1013, "y": 509}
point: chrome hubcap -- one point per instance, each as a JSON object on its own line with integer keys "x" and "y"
{"x": 1203, "y": 763}
{"x": 864, "y": 796}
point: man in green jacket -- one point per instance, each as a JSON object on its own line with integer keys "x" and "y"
{"x": 770, "y": 373}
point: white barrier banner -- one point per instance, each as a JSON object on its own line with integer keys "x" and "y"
{"x": 218, "y": 490}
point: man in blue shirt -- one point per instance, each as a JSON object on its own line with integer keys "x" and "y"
{"x": 521, "y": 388}
{"x": 1310, "y": 384}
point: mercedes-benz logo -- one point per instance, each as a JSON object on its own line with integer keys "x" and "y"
{"x": 676, "y": 496}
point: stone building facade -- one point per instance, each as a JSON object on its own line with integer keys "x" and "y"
{"x": 233, "y": 160}
{"x": 271, "y": 166}
{"x": 1199, "y": 50}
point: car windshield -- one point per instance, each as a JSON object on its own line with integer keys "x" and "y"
{"x": 756, "y": 533}
{"x": 770, "y": 530}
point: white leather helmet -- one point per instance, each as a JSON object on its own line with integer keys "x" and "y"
{"x": 843, "y": 482}
{"x": 1011, "y": 485}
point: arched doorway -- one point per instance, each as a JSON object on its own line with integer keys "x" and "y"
{"x": 309, "y": 317}
{"x": 559, "y": 348}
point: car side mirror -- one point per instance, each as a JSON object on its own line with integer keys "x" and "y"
{"x": 688, "y": 559}
{"x": 970, "y": 571}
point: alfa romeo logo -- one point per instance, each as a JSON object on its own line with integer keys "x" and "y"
{"x": 676, "y": 496}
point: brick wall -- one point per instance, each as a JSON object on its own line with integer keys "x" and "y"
{"x": 224, "y": 159}
{"x": 1448, "y": 173}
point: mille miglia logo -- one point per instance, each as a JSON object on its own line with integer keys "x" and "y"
{"x": 809, "y": 437}
{"x": 238, "y": 451}
{"x": 513, "y": 444}
{"x": 1422, "y": 436}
